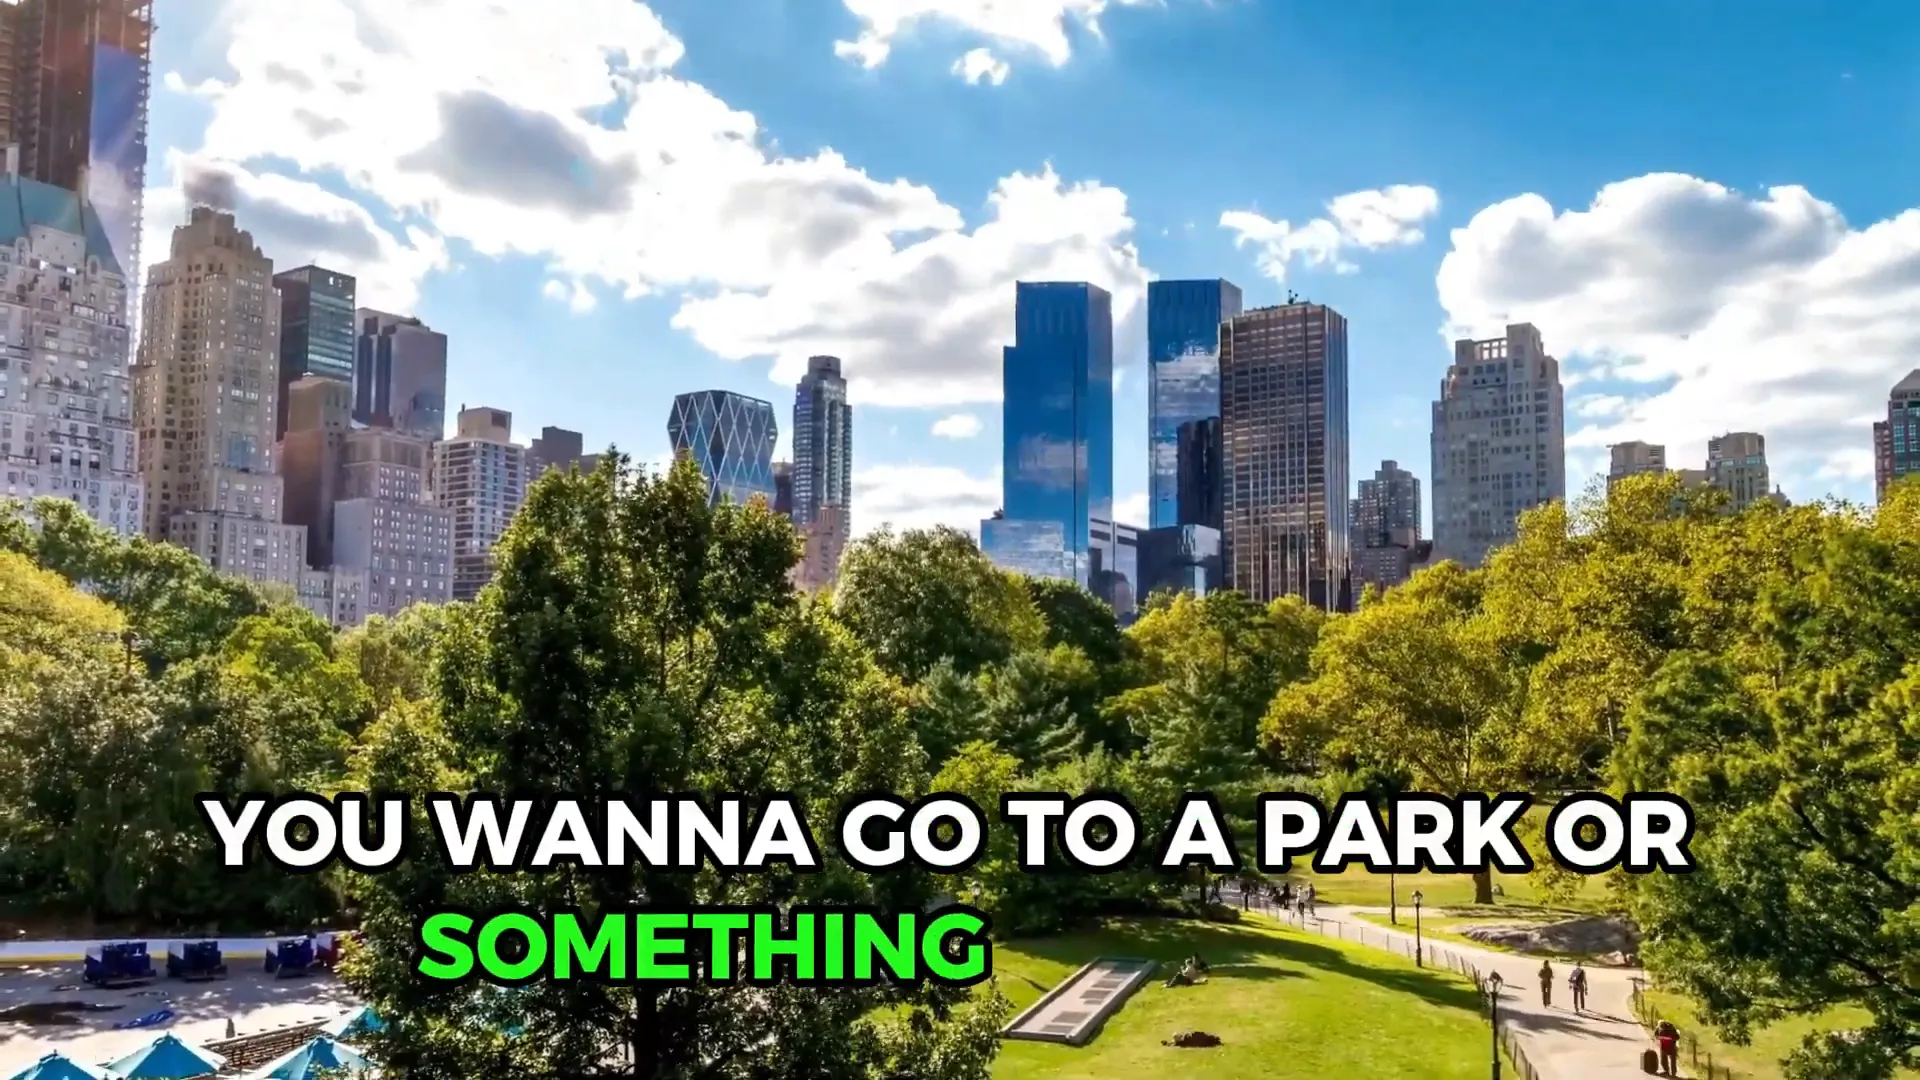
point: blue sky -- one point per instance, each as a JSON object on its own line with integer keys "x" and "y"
{"x": 604, "y": 203}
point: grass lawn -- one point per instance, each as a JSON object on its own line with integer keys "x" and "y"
{"x": 1286, "y": 1006}
{"x": 1453, "y": 892}
{"x": 1759, "y": 1060}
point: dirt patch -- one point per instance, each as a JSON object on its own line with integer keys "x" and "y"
{"x": 52, "y": 1013}
{"x": 1609, "y": 936}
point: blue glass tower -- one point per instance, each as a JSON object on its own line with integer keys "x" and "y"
{"x": 1183, "y": 378}
{"x": 730, "y": 436}
{"x": 1058, "y": 426}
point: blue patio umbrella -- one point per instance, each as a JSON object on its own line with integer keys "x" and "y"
{"x": 361, "y": 1021}
{"x": 168, "y": 1058}
{"x": 323, "y": 1057}
{"x": 61, "y": 1067}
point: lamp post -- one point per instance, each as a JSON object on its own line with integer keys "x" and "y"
{"x": 1393, "y": 898}
{"x": 1419, "y": 946}
{"x": 1493, "y": 1006}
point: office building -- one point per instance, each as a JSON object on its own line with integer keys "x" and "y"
{"x": 731, "y": 438}
{"x": 73, "y": 98}
{"x": 66, "y": 410}
{"x": 1499, "y": 442}
{"x": 783, "y": 488}
{"x": 385, "y": 531}
{"x": 558, "y": 448}
{"x": 1057, "y": 426}
{"x": 1737, "y": 465}
{"x": 206, "y": 383}
{"x": 1897, "y": 438}
{"x": 1633, "y": 458}
{"x": 1283, "y": 437}
{"x": 1118, "y": 582}
{"x": 1387, "y": 544}
{"x": 1179, "y": 558}
{"x": 1183, "y": 382}
{"x": 319, "y": 414}
{"x": 400, "y": 374}
{"x": 1199, "y": 479}
{"x": 822, "y": 471}
{"x": 479, "y": 476}
{"x": 316, "y": 330}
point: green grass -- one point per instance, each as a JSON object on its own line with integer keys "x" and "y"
{"x": 1286, "y": 1006}
{"x": 1760, "y": 1059}
{"x": 1358, "y": 887}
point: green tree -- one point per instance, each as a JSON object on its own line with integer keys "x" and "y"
{"x": 927, "y": 595}
{"x": 1028, "y": 705}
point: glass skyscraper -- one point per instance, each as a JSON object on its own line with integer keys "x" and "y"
{"x": 730, "y": 436}
{"x": 1058, "y": 429}
{"x": 317, "y": 333}
{"x": 1183, "y": 377}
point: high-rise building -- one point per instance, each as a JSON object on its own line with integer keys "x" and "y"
{"x": 731, "y": 437}
{"x": 73, "y": 98}
{"x": 318, "y": 417}
{"x": 1897, "y": 439}
{"x": 400, "y": 374}
{"x": 316, "y": 329}
{"x": 384, "y": 527}
{"x": 558, "y": 448}
{"x": 1058, "y": 430}
{"x": 1385, "y": 518}
{"x": 1633, "y": 458}
{"x": 1283, "y": 436}
{"x": 1737, "y": 465}
{"x": 1183, "y": 382}
{"x": 1198, "y": 475}
{"x": 822, "y": 472}
{"x": 66, "y": 411}
{"x": 206, "y": 384}
{"x": 1179, "y": 558}
{"x": 1499, "y": 442}
{"x": 480, "y": 477}
{"x": 783, "y": 488}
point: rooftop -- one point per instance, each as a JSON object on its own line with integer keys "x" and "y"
{"x": 25, "y": 203}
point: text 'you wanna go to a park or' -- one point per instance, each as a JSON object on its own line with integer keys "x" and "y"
{"x": 942, "y": 833}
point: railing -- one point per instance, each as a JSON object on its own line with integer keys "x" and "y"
{"x": 1698, "y": 1062}
{"x": 249, "y": 1052}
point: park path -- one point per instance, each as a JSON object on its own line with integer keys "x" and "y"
{"x": 1604, "y": 1043}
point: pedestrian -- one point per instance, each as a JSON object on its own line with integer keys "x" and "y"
{"x": 1577, "y": 982}
{"x": 1286, "y": 895}
{"x": 1546, "y": 984}
{"x": 230, "y": 1030}
{"x": 1310, "y": 898}
{"x": 1668, "y": 1037}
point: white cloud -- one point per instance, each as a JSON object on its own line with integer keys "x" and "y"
{"x": 980, "y": 65}
{"x": 1131, "y": 509}
{"x": 578, "y": 298}
{"x": 920, "y": 496}
{"x": 1036, "y": 25}
{"x": 1381, "y": 218}
{"x": 473, "y": 116}
{"x": 958, "y": 426}
{"x": 1704, "y": 310}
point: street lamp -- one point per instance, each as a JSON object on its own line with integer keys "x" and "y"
{"x": 1419, "y": 946}
{"x": 1393, "y": 898}
{"x": 1493, "y": 1006}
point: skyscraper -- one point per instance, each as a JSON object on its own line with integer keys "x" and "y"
{"x": 1633, "y": 458}
{"x": 1283, "y": 435}
{"x": 783, "y": 488}
{"x": 559, "y": 448}
{"x": 400, "y": 374}
{"x": 1183, "y": 380}
{"x": 480, "y": 477}
{"x": 318, "y": 418}
{"x": 384, "y": 527}
{"x": 1385, "y": 517}
{"x": 731, "y": 437}
{"x": 822, "y": 476}
{"x": 1058, "y": 431}
{"x": 206, "y": 384}
{"x": 316, "y": 330}
{"x": 73, "y": 82}
{"x": 1198, "y": 476}
{"x": 1737, "y": 465}
{"x": 1499, "y": 442}
{"x": 66, "y": 411}
{"x": 1897, "y": 439}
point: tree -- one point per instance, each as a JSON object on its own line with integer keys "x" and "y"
{"x": 1028, "y": 706}
{"x": 1076, "y": 617}
{"x": 922, "y": 596}
{"x": 636, "y": 640}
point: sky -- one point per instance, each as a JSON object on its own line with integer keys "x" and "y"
{"x": 1708, "y": 208}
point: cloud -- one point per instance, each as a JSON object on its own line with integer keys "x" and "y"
{"x": 619, "y": 177}
{"x": 980, "y": 65}
{"x": 957, "y": 426}
{"x": 1033, "y": 25}
{"x": 1370, "y": 220}
{"x": 1131, "y": 509}
{"x": 919, "y": 496}
{"x": 1694, "y": 309}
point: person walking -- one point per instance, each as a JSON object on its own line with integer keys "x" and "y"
{"x": 1668, "y": 1037}
{"x": 1310, "y": 899}
{"x": 1546, "y": 984}
{"x": 1577, "y": 982}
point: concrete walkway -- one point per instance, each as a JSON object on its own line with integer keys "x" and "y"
{"x": 1604, "y": 1043}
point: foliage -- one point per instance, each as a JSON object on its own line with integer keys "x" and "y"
{"x": 928, "y": 595}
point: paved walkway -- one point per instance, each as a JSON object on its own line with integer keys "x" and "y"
{"x": 1604, "y": 1043}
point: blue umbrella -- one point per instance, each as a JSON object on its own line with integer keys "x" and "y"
{"x": 168, "y": 1058}
{"x": 320, "y": 1058}
{"x": 361, "y": 1021}
{"x": 61, "y": 1067}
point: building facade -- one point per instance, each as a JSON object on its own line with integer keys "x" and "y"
{"x": 1284, "y": 454}
{"x": 319, "y": 415}
{"x": 1119, "y": 581}
{"x": 1057, "y": 425}
{"x": 316, "y": 329}
{"x": 1737, "y": 465}
{"x": 783, "y": 488}
{"x": 206, "y": 383}
{"x": 1183, "y": 382}
{"x": 479, "y": 477}
{"x": 1633, "y": 458}
{"x": 66, "y": 408}
{"x": 1387, "y": 543}
{"x": 1179, "y": 558}
{"x": 384, "y": 527}
{"x": 400, "y": 374}
{"x": 731, "y": 438}
{"x": 1199, "y": 477}
{"x": 1897, "y": 438}
{"x": 1499, "y": 442}
{"x": 822, "y": 470}
{"x": 559, "y": 448}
